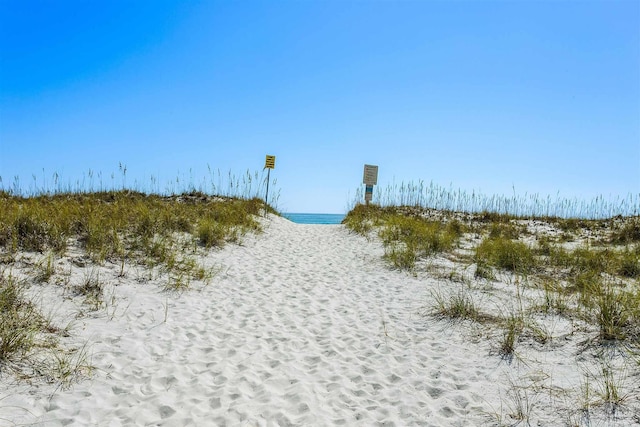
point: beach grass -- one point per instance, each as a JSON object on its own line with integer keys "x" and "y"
{"x": 601, "y": 271}
{"x": 582, "y": 271}
{"x": 577, "y": 271}
{"x": 431, "y": 195}
{"x": 161, "y": 233}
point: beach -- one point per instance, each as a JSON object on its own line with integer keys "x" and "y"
{"x": 303, "y": 325}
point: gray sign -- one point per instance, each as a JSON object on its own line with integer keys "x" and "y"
{"x": 370, "y": 175}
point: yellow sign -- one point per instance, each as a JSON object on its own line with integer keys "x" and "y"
{"x": 270, "y": 163}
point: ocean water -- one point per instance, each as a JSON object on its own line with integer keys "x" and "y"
{"x": 314, "y": 218}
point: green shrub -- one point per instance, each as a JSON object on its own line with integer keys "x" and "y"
{"x": 614, "y": 313}
{"x": 110, "y": 224}
{"x": 483, "y": 271}
{"x": 421, "y": 236}
{"x": 628, "y": 233}
{"x": 17, "y": 320}
{"x": 211, "y": 233}
{"x": 586, "y": 282}
{"x": 16, "y": 334}
{"x": 31, "y": 232}
{"x": 494, "y": 217}
{"x": 403, "y": 258}
{"x": 628, "y": 264}
{"x": 456, "y": 306}
{"x": 591, "y": 260}
{"x": 92, "y": 290}
{"x": 362, "y": 218}
{"x": 513, "y": 329}
{"x": 408, "y": 238}
{"x": 506, "y": 254}
{"x": 455, "y": 228}
{"x": 557, "y": 256}
{"x": 504, "y": 230}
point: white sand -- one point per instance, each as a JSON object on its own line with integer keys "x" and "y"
{"x": 306, "y": 326}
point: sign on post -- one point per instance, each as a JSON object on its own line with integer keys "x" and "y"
{"x": 369, "y": 179}
{"x": 370, "y": 175}
{"x": 368, "y": 193}
{"x": 269, "y": 163}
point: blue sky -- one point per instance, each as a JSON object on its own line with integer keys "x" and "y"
{"x": 537, "y": 96}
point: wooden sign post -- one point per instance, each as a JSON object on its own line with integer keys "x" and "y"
{"x": 269, "y": 163}
{"x": 369, "y": 179}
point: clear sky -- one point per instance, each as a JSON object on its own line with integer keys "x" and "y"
{"x": 540, "y": 96}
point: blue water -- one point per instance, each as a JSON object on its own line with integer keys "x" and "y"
{"x": 314, "y": 218}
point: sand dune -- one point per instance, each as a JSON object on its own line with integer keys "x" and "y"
{"x": 304, "y": 326}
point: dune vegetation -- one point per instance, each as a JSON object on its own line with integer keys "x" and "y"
{"x": 56, "y": 233}
{"x": 518, "y": 276}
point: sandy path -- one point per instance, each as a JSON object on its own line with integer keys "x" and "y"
{"x": 305, "y": 326}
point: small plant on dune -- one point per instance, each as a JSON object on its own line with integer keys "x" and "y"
{"x": 18, "y": 321}
{"x": 403, "y": 258}
{"x": 585, "y": 399}
{"x": 614, "y": 310}
{"x": 101, "y": 242}
{"x": 555, "y": 300}
{"x": 545, "y": 245}
{"x": 46, "y": 269}
{"x": 585, "y": 283}
{"x": 517, "y": 407}
{"x": 505, "y": 230}
{"x": 211, "y": 233}
{"x": 456, "y": 228}
{"x": 555, "y": 255}
{"x": 521, "y": 404}
{"x": 178, "y": 282}
{"x": 614, "y": 313}
{"x": 407, "y": 239}
{"x": 493, "y": 217}
{"x": 628, "y": 233}
{"x": 17, "y": 333}
{"x": 68, "y": 367}
{"x": 459, "y": 306}
{"x": 587, "y": 260}
{"x": 629, "y": 264}
{"x": 610, "y": 389}
{"x": 26, "y": 336}
{"x": 425, "y": 237}
{"x": 483, "y": 271}
{"x": 92, "y": 290}
{"x": 506, "y": 254}
{"x": 606, "y": 387}
{"x": 362, "y": 218}
{"x": 514, "y": 326}
{"x": 31, "y": 232}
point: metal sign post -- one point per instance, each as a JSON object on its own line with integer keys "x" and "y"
{"x": 269, "y": 163}
{"x": 369, "y": 179}
{"x": 368, "y": 193}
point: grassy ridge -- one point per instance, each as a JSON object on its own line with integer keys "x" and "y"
{"x": 604, "y": 274}
{"x": 543, "y": 271}
{"x": 112, "y": 223}
{"x": 119, "y": 228}
{"x": 433, "y": 196}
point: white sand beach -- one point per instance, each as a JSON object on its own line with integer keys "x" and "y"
{"x": 305, "y": 325}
